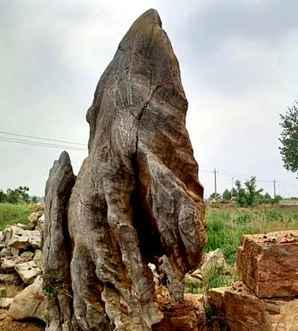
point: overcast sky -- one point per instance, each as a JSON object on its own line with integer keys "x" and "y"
{"x": 238, "y": 61}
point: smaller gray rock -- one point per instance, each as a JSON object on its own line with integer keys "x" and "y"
{"x": 9, "y": 278}
{"x": 3, "y": 292}
{"x": 28, "y": 271}
{"x": 18, "y": 238}
{"x": 5, "y": 252}
{"x": 8, "y": 263}
{"x": 38, "y": 259}
{"x": 30, "y": 303}
{"x": 5, "y": 302}
{"x": 25, "y": 226}
{"x": 27, "y": 255}
{"x": 34, "y": 217}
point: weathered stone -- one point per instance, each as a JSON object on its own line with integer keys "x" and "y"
{"x": 137, "y": 198}
{"x": 41, "y": 224}
{"x": 213, "y": 261}
{"x": 38, "y": 258}
{"x": 9, "y": 278}
{"x": 245, "y": 311}
{"x": 28, "y": 271}
{"x": 188, "y": 315}
{"x": 8, "y": 264}
{"x": 30, "y": 303}
{"x": 3, "y": 292}
{"x": 5, "y": 302}
{"x": 268, "y": 264}
{"x": 215, "y": 298}
{"x": 57, "y": 246}
{"x": 34, "y": 217}
{"x": 5, "y": 252}
{"x": 19, "y": 238}
{"x": 25, "y": 226}
{"x": 27, "y": 255}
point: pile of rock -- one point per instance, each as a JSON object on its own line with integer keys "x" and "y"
{"x": 212, "y": 262}
{"x": 266, "y": 296}
{"x": 21, "y": 267}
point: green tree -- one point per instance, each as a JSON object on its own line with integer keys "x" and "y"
{"x": 18, "y": 195}
{"x": 34, "y": 199}
{"x": 253, "y": 195}
{"x": 240, "y": 194}
{"x": 215, "y": 196}
{"x": 267, "y": 198}
{"x": 3, "y": 197}
{"x": 227, "y": 195}
{"x": 289, "y": 138}
{"x": 23, "y": 193}
{"x": 248, "y": 195}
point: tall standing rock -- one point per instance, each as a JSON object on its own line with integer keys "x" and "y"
{"x": 57, "y": 245}
{"x": 137, "y": 198}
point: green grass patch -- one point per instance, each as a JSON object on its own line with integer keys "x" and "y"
{"x": 227, "y": 226}
{"x": 13, "y": 213}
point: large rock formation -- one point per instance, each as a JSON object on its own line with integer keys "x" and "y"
{"x": 136, "y": 200}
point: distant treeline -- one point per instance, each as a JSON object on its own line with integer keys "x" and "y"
{"x": 18, "y": 195}
{"x": 246, "y": 195}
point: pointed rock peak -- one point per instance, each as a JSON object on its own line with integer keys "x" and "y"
{"x": 142, "y": 27}
{"x": 151, "y": 15}
{"x": 64, "y": 158}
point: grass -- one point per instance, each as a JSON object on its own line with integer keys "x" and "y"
{"x": 12, "y": 214}
{"x": 227, "y": 225}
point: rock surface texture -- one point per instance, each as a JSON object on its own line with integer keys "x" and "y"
{"x": 136, "y": 200}
{"x": 266, "y": 297}
{"x": 268, "y": 264}
{"x": 57, "y": 245}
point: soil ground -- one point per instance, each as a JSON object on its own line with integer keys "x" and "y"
{"x": 7, "y": 324}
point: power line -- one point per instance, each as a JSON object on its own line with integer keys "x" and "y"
{"x": 17, "y": 135}
{"x": 39, "y": 144}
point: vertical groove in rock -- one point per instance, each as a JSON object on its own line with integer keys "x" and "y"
{"x": 137, "y": 198}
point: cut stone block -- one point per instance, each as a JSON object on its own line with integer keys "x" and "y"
{"x": 245, "y": 311}
{"x": 268, "y": 264}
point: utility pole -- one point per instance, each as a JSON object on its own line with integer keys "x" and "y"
{"x": 215, "y": 182}
{"x": 232, "y": 184}
{"x": 274, "y": 188}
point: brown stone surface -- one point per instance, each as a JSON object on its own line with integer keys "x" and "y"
{"x": 30, "y": 303}
{"x": 7, "y": 324}
{"x": 137, "y": 198}
{"x": 245, "y": 311}
{"x": 188, "y": 315}
{"x": 215, "y": 298}
{"x": 268, "y": 264}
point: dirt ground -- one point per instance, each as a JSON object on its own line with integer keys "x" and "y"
{"x": 7, "y": 324}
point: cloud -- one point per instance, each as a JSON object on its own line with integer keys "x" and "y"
{"x": 238, "y": 67}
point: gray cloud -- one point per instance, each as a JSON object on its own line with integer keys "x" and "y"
{"x": 238, "y": 66}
